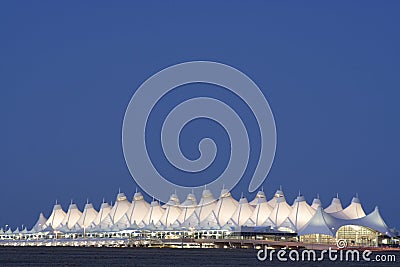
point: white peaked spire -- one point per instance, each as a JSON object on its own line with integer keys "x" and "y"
{"x": 261, "y": 213}
{"x": 316, "y": 203}
{"x": 260, "y": 194}
{"x": 242, "y": 212}
{"x": 335, "y": 206}
{"x": 206, "y": 205}
{"x": 353, "y": 211}
{"x": 105, "y": 209}
{"x": 89, "y": 214}
{"x": 120, "y": 207}
{"x": 40, "y": 224}
{"x": 321, "y": 223}
{"x": 225, "y": 207}
{"x": 138, "y": 209}
{"x": 73, "y": 215}
{"x": 153, "y": 215}
{"x": 188, "y": 207}
{"x": 172, "y": 211}
{"x": 300, "y": 215}
{"x": 278, "y": 194}
{"x": 56, "y": 216}
{"x": 280, "y": 211}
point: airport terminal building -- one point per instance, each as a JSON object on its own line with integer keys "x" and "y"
{"x": 207, "y": 219}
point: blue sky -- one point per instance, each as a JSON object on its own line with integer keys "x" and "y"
{"x": 330, "y": 72}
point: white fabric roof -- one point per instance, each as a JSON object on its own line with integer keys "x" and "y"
{"x": 325, "y": 223}
{"x": 120, "y": 207}
{"x": 316, "y": 203}
{"x": 73, "y": 215}
{"x": 211, "y": 222}
{"x": 278, "y": 194}
{"x": 300, "y": 215}
{"x": 335, "y": 206}
{"x": 138, "y": 209}
{"x": 261, "y": 212}
{"x": 321, "y": 223}
{"x": 40, "y": 224}
{"x": 89, "y": 214}
{"x": 172, "y": 211}
{"x": 280, "y": 212}
{"x": 154, "y": 214}
{"x": 225, "y": 207}
{"x": 242, "y": 212}
{"x": 188, "y": 207}
{"x": 260, "y": 194}
{"x": 192, "y": 221}
{"x": 105, "y": 209}
{"x": 353, "y": 211}
{"x": 206, "y": 205}
{"x": 56, "y": 216}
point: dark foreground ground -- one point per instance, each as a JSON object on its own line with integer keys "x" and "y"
{"x": 70, "y": 256}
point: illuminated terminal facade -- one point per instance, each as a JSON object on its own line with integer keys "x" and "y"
{"x": 138, "y": 222}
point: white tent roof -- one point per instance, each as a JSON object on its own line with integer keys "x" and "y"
{"x": 260, "y": 194}
{"x": 335, "y": 206}
{"x": 353, "y": 211}
{"x": 206, "y": 205}
{"x": 300, "y": 215}
{"x": 137, "y": 209}
{"x": 40, "y": 224}
{"x": 211, "y": 222}
{"x": 73, "y": 215}
{"x": 280, "y": 212}
{"x": 374, "y": 221}
{"x": 106, "y": 224}
{"x": 321, "y": 223}
{"x": 105, "y": 209}
{"x": 188, "y": 207}
{"x": 154, "y": 214}
{"x": 56, "y": 216}
{"x": 120, "y": 207}
{"x": 242, "y": 212}
{"x": 316, "y": 203}
{"x": 89, "y": 214}
{"x": 122, "y": 223}
{"x": 261, "y": 212}
{"x": 278, "y": 194}
{"x": 325, "y": 223}
{"x": 225, "y": 207}
{"x": 172, "y": 211}
{"x": 192, "y": 221}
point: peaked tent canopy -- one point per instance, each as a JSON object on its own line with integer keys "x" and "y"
{"x": 353, "y": 211}
{"x": 154, "y": 214}
{"x": 56, "y": 217}
{"x": 73, "y": 215}
{"x": 138, "y": 208}
{"x": 40, "y": 224}
{"x": 89, "y": 214}
{"x": 120, "y": 207}
{"x": 225, "y": 207}
{"x": 260, "y": 195}
{"x": 335, "y": 206}
{"x": 261, "y": 212}
{"x": 242, "y": 212}
{"x": 300, "y": 215}
{"x": 105, "y": 209}
{"x": 280, "y": 212}
{"x": 188, "y": 207}
{"x": 206, "y": 205}
{"x": 172, "y": 211}
{"x": 321, "y": 223}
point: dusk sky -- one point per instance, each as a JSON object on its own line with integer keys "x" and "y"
{"x": 330, "y": 72}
